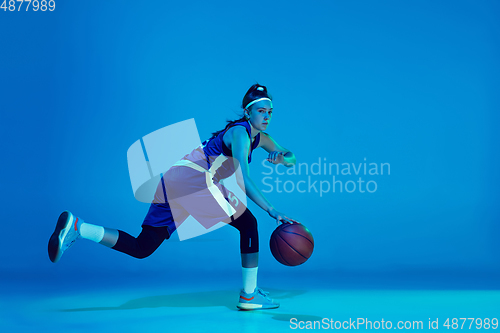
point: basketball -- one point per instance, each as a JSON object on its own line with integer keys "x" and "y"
{"x": 291, "y": 244}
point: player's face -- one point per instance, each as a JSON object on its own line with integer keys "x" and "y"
{"x": 261, "y": 114}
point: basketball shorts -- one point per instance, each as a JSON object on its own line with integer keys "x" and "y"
{"x": 184, "y": 191}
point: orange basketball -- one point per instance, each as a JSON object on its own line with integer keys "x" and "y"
{"x": 291, "y": 244}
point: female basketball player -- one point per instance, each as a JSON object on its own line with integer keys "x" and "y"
{"x": 192, "y": 187}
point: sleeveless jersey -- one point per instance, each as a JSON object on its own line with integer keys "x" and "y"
{"x": 212, "y": 155}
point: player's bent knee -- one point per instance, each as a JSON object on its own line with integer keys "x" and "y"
{"x": 142, "y": 255}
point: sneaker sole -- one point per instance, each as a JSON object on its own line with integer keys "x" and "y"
{"x": 65, "y": 220}
{"x": 248, "y": 306}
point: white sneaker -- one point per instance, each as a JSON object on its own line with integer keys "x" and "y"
{"x": 259, "y": 299}
{"x": 65, "y": 234}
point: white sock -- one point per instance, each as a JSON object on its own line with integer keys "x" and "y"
{"x": 249, "y": 279}
{"x": 93, "y": 232}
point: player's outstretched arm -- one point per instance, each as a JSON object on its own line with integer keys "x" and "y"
{"x": 277, "y": 153}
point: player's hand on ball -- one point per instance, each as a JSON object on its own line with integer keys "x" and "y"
{"x": 280, "y": 217}
{"x": 276, "y": 157}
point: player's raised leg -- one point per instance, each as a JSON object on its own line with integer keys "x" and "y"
{"x": 70, "y": 228}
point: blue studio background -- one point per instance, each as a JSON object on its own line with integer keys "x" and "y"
{"x": 412, "y": 84}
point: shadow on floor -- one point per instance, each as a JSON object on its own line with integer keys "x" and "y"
{"x": 285, "y": 316}
{"x": 226, "y": 298}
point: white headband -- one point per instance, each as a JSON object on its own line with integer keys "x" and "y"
{"x": 257, "y": 100}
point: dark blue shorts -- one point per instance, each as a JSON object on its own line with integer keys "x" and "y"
{"x": 160, "y": 215}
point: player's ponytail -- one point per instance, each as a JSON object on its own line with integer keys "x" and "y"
{"x": 255, "y": 92}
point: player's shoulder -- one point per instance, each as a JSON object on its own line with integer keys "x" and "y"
{"x": 237, "y": 129}
{"x": 267, "y": 142}
{"x": 264, "y": 137}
